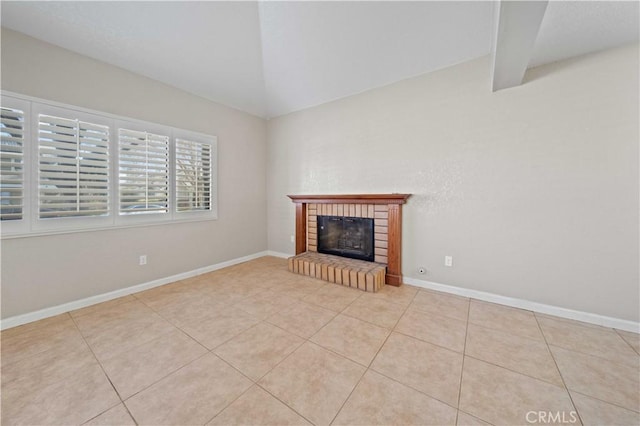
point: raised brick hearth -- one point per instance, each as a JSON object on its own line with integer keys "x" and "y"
{"x": 367, "y": 276}
{"x": 384, "y": 209}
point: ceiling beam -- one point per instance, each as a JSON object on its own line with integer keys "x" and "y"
{"x": 517, "y": 26}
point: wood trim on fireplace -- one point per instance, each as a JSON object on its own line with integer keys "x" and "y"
{"x": 394, "y": 274}
{"x": 351, "y": 198}
{"x": 301, "y": 228}
{"x": 394, "y": 203}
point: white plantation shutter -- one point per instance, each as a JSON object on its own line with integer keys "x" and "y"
{"x": 143, "y": 165}
{"x": 194, "y": 175}
{"x": 73, "y": 168}
{"x": 12, "y": 167}
{"x": 66, "y": 169}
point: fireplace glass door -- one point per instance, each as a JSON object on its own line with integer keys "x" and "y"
{"x": 346, "y": 236}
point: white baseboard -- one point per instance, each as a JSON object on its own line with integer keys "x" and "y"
{"x": 278, "y": 254}
{"x": 602, "y": 320}
{"x": 82, "y": 303}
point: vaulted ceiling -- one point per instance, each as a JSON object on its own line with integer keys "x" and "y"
{"x": 271, "y": 58}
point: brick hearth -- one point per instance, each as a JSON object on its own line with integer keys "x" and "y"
{"x": 367, "y": 276}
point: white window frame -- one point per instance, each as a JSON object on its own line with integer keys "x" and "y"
{"x": 73, "y": 222}
{"x": 30, "y": 225}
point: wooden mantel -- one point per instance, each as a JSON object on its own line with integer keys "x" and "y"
{"x": 394, "y": 203}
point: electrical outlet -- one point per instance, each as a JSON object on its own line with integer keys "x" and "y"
{"x": 293, "y": 239}
{"x": 422, "y": 270}
{"x": 448, "y": 261}
{"x": 143, "y": 260}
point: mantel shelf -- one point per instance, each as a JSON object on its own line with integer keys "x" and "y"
{"x": 351, "y": 198}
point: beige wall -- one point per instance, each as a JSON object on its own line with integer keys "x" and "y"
{"x": 40, "y": 272}
{"x": 532, "y": 190}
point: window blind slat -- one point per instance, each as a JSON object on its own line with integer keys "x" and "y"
{"x": 11, "y": 143}
{"x": 11, "y": 177}
{"x": 10, "y": 156}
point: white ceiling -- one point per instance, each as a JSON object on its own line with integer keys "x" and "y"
{"x": 272, "y": 58}
{"x": 315, "y": 52}
{"x": 573, "y": 28}
{"x": 209, "y": 49}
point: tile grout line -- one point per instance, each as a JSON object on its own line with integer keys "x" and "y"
{"x": 5, "y": 365}
{"x": 105, "y": 375}
{"x": 139, "y": 344}
{"x": 234, "y": 367}
{"x": 163, "y": 334}
{"x": 626, "y": 341}
{"x": 302, "y": 337}
{"x": 120, "y": 301}
{"x": 544, "y": 341}
{"x": 346, "y": 357}
{"x": 239, "y": 396}
{"x": 164, "y": 377}
{"x": 464, "y": 355}
{"x": 255, "y": 382}
{"x": 340, "y": 311}
{"x": 373, "y": 323}
{"x": 529, "y": 338}
{"x": 320, "y": 346}
{"x": 514, "y": 371}
{"x": 421, "y": 392}
{"x": 427, "y": 341}
{"x": 497, "y": 330}
{"x": 613, "y": 330}
{"x": 564, "y": 383}
{"x": 73, "y": 319}
{"x": 615, "y": 404}
{"x": 284, "y": 403}
{"x": 180, "y": 326}
{"x": 509, "y": 368}
{"x": 329, "y": 322}
{"x": 637, "y": 412}
{"x": 368, "y": 367}
{"x": 409, "y": 386}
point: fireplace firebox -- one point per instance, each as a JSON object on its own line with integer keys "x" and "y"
{"x": 351, "y": 237}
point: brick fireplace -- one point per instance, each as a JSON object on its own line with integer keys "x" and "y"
{"x": 386, "y": 212}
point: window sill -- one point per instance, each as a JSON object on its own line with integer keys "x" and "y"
{"x": 42, "y": 233}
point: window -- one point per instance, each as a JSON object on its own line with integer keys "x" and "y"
{"x": 12, "y": 130}
{"x": 144, "y": 172}
{"x": 68, "y": 169}
{"x": 15, "y": 119}
{"x": 73, "y": 168}
{"x": 194, "y": 175}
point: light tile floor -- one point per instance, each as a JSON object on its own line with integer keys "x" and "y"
{"x": 254, "y": 344}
